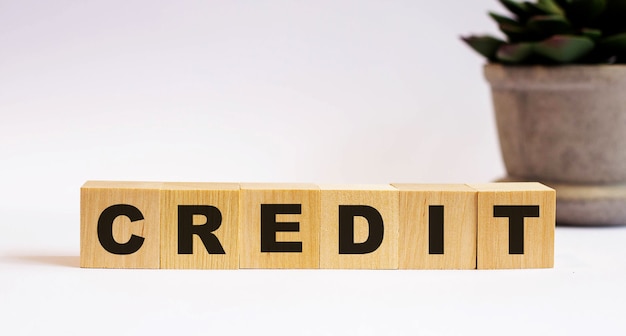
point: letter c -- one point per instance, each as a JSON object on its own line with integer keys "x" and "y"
{"x": 105, "y": 229}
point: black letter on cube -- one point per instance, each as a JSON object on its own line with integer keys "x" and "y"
{"x": 516, "y": 215}
{"x": 346, "y": 229}
{"x": 269, "y": 227}
{"x": 105, "y": 229}
{"x": 186, "y": 228}
{"x": 435, "y": 229}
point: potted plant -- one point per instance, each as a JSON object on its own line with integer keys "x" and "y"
{"x": 558, "y": 82}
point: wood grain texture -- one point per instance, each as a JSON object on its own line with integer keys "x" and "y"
{"x": 459, "y": 226}
{"x": 222, "y": 196}
{"x": 95, "y": 197}
{"x": 493, "y": 232}
{"x": 383, "y": 198}
{"x": 253, "y": 195}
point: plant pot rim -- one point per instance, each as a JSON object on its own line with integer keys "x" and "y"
{"x": 556, "y": 77}
{"x": 554, "y": 67}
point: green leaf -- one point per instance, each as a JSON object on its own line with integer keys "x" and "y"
{"x": 594, "y": 34}
{"x": 544, "y": 7}
{"x": 614, "y": 43}
{"x": 501, "y": 19}
{"x": 515, "y": 53}
{"x": 519, "y": 9}
{"x": 512, "y": 28}
{"x": 551, "y": 7}
{"x": 564, "y": 48}
{"x": 584, "y": 11}
{"x": 516, "y": 32}
{"x": 547, "y": 25}
{"x": 484, "y": 45}
{"x": 534, "y": 9}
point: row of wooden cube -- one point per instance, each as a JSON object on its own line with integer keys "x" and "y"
{"x": 472, "y": 234}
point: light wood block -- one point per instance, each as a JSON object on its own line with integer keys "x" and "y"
{"x": 437, "y": 226}
{"x": 515, "y": 237}
{"x": 291, "y": 225}
{"x": 126, "y": 214}
{"x": 354, "y": 203}
{"x": 199, "y": 225}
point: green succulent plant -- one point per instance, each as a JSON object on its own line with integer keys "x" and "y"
{"x": 557, "y": 32}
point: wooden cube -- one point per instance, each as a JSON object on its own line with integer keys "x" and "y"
{"x": 279, "y": 226}
{"x": 199, "y": 225}
{"x": 119, "y": 224}
{"x": 516, "y": 224}
{"x": 359, "y": 227}
{"x": 437, "y": 226}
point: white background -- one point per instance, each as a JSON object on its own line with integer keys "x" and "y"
{"x": 268, "y": 91}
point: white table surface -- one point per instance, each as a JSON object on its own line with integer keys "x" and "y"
{"x": 43, "y": 291}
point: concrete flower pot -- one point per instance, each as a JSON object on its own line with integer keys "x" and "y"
{"x": 566, "y": 126}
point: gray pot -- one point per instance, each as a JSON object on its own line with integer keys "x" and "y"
{"x": 566, "y": 126}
